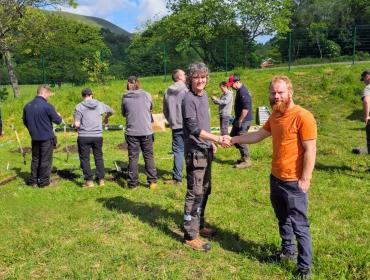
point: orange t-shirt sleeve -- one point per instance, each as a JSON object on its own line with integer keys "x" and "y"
{"x": 267, "y": 125}
{"x": 307, "y": 127}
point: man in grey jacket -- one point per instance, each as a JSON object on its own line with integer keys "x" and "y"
{"x": 136, "y": 108}
{"x": 88, "y": 117}
{"x": 172, "y": 111}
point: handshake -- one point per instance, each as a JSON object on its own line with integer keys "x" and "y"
{"x": 225, "y": 141}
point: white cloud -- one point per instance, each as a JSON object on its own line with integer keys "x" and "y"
{"x": 100, "y": 8}
{"x": 151, "y": 10}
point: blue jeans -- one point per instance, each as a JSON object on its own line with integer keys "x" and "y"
{"x": 290, "y": 206}
{"x": 178, "y": 153}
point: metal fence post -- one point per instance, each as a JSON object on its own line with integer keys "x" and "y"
{"x": 164, "y": 64}
{"x": 290, "y": 50}
{"x": 43, "y": 69}
{"x": 226, "y": 55}
{"x": 354, "y": 45}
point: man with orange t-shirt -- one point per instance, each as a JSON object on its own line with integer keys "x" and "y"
{"x": 294, "y": 133}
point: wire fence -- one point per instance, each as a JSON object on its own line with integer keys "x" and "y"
{"x": 299, "y": 47}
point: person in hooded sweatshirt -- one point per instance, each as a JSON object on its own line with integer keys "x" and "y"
{"x": 172, "y": 100}
{"x": 88, "y": 118}
{"x": 136, "y": 107}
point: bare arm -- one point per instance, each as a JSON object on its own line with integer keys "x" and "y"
{"x": 251, "y": 138}
{"x": 243, "y": 115}
{"x": 309, "y": 158}
{"x": 366, "y": 108}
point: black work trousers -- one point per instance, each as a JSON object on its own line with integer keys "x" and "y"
{"x": 84, "y": 146}
{"x": 198, "y": 172}
{"x": 41, "y": 164}
{"x": 238, "y": 131}
{"x": 368, "y": 136}
{"x": 134, "y": 144}
{"x": 290, "y": 206}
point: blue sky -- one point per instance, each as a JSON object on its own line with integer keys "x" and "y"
{"x": 130, "y": 15}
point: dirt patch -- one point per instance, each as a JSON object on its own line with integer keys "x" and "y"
{"x": 122, "y": 146}
{"x": 26, "y": 150}
{"x": 71, "y": 149}
{"x": 7, "y": 180}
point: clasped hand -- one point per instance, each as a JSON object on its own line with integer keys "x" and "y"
{"x": 226, "y": 141}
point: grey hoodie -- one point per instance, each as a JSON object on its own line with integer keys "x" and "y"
{"x": 172, "y": 100}
{"x": 136, "y": 108}
{"x": 89, "y": 114}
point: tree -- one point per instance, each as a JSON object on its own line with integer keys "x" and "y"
{"x": 65, "y": 45}
{"x": 12, "y": 13}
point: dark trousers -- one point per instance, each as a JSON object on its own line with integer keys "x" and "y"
{"x": 42, "y": 161}
{"x": 198, "y": 169}
{"x": 224, "y": 125}
{"x": 237, "y": 131}
{"x": 134, "y": 144}
{"x": 368, "y": 136}
{"x": 84, "y": 146}
{"x": 290, "y": 206}
{"x": 178, "y": 153}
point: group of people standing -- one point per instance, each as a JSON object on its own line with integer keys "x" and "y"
{"x": 186, "y": 107}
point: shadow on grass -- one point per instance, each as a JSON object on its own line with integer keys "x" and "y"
{"x": 22, "y": 174}
{"x": 156, "y": 216}
{"x": 355, "y": 115}
{"x": 332, "y": 168}
{"x": 225, "y": 161}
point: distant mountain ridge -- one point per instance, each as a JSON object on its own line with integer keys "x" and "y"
{"x": 95, "y": 21}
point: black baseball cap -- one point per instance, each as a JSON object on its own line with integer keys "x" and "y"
{"x": 364, "y": 74}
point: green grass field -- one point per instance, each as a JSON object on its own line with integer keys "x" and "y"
{"x": 67, "y": 232}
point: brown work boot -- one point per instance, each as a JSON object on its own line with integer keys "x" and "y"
{"x": 198, "y": 244}
{"x": 244, "y": 164}
{"x": 207, "y": 232}
{"x": 101, "y": 182}
{"x": 153, "y": 185}
{"x": 88, "y": 184}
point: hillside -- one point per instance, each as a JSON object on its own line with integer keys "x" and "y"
{"x": 112, "y": 232}
{"x": 96, "y": 22}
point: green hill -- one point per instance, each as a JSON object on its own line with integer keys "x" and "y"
{"x": 95, "y": 21}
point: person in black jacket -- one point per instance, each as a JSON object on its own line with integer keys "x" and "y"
{"x": 38, "y": 116}
{"x": 1, "y": 125}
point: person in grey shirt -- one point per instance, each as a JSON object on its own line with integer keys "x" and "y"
{"x": 172, "y": 100}
{"x": 136, "y": 108}
{"x": 365, "y": 77}
{"x": 88, "y": 118}
{"x": 225, "y": 107}
{"x": 199, "y": 149}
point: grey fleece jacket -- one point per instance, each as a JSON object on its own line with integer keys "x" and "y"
{"x": 136, "y": 108}
{"x": 89, "y": 113}
{"x": 172, "y": 100}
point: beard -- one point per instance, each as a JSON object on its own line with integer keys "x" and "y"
{"x": 280, "y": 106}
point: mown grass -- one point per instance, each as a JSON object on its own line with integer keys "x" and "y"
{"x": 67, "y": 232}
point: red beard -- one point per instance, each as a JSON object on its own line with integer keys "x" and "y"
{"x": 280, "y": 106}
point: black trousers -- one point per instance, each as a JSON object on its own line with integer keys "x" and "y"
{"x": 290, "y": 206}
{"x": 368, "y": 136}
{"x": 134, "y": 144}
{"x": 42, "y": 161}
{"x": 238, "y": 131}
{"x": 198, "y": 172}
{"x": 84, "y": 146}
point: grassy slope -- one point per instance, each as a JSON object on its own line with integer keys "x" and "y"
{"x": 95, "y": 21}
{"x": 112, "y": 232}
